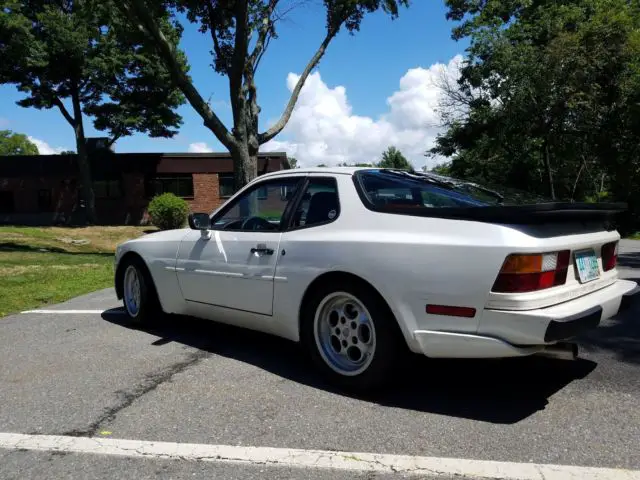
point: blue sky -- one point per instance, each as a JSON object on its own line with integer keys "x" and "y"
{"x": 369, "y": 65}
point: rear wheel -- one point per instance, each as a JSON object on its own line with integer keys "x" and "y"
{"x": 138, "y": 293}
{"x": 351, "y": 335}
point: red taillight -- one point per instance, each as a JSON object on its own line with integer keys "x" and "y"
{"x": 609, "y": 256}
{"x": 532, "y": 272}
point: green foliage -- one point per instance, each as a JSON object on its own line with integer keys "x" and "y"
{"x": 551, "y": 98}
{"x": 16, "y": 144}
{"x": 443, "y": 169}
{"x": 393, "y": 158}
{"x": 598, "y": 197}
{"x": 168, "y": 212}
{"x": 59, "y": 51}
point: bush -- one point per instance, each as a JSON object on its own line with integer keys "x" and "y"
{"x": 168, "y": 211}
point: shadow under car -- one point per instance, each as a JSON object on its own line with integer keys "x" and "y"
{"x": 502, "y": 391}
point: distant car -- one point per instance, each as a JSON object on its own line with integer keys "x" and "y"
{"x": 361, "y": 264}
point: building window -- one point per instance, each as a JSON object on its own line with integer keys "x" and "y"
{"x": 180, "y": 185}
{"x": 7, "y": 202}
{"x": 44, "y": 200}
{"x": 107, "y": 189}
{"x": 226, "y": 188}
{"x": 225, "y": 184}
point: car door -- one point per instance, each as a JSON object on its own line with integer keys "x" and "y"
{"x": 233, "y": 265}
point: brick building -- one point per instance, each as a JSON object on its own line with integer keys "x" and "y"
{"x": 43, "y": 189}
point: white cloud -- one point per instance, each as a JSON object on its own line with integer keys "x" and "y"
{"x": 324, "y": 129}
{"x": 45, "y": 149}
{"x": 199, "y": 147}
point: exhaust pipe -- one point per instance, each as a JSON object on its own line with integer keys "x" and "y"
{"x": 561, "y": 351}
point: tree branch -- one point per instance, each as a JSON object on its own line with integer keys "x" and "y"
{"x": 264, "y": 49}
{"x": 286, "y": 115}
{"x": 142, "y": 19}
{"x": 263, "y": 32}
{"x": 57, "y": 102}
{"x": 115, "y": 138}
{"x": 212, "y": 30}
{"x": 240, "y": 45}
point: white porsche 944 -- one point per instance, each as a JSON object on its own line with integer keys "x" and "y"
{"x": 363, "y": 264}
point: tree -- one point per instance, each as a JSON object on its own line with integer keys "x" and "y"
{"x": 16, "y": 144}
{"x": 549, "y": 96}
{"x": 393, "y": 158}
{"x": 293, "y": 162}
{"x": 73, "y": 55}
{"x": 443, "y": 169}
{"x": 240, "y": 32}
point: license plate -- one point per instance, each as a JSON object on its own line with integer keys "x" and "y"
{"x": 587, "y": 264}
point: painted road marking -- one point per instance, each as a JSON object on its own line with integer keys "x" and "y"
{"x": 360, "y": 462}
{"x": 111, "y": 312}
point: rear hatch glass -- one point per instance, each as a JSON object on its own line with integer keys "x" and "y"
{"x": 427, "y": 194}
{"x": 399, "y": 187}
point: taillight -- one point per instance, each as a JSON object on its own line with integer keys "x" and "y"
{"x": 531, "y": 272}
{"x": 609, "y": 256}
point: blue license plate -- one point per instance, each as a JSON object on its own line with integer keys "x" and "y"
{"x": 587, "y": 265}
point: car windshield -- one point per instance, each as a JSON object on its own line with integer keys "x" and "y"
{"x": 398, "y": 188}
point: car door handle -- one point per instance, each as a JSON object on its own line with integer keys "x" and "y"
{"x": 262, "y": 249}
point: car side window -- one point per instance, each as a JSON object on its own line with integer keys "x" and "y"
{"x": 319, "y": 204}
{"x": 260, "y": 208}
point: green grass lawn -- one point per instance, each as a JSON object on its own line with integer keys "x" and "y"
{"x": 40, "y": 266}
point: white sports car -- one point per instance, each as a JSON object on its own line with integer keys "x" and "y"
{"x": 363, "y": 264}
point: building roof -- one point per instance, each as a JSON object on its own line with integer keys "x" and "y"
{"x": 110, "y": 163}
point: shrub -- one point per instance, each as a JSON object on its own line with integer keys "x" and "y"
{"x": 168, "y": 211}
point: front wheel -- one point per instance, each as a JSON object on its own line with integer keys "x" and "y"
{"x": 139, "y": 298}
{"x": 351, "y": 335}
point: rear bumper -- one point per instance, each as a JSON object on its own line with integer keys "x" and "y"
{"x": 517, "y": 333}
{"x": 630, "y": 298}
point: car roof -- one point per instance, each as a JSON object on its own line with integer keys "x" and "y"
{"x": 327, "y": 170}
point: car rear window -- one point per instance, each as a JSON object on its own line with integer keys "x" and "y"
{"x": 392, "y": 188}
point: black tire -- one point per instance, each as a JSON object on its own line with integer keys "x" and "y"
{"x": 149, "y": 309}
{"x": 390, "y": 346}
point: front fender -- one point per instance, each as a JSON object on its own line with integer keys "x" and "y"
{"x": 159, "y": 253}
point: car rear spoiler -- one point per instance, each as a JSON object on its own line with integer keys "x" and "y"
{"x": 538, "y": 213}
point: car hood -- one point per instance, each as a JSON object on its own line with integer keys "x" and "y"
{"x": 161, "y": 236}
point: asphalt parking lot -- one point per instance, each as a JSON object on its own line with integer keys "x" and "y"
{"x": 79, "y": 370}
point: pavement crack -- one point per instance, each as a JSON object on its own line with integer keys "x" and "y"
{"x": 127, "y": 397}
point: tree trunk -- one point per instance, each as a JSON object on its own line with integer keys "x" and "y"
{"x": 245, "y": 166}
{"x": 86, "y": 187}
{"x": 547, "y": 166}
{"x": 575, "y": 183}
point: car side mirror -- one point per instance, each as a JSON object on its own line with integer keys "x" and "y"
{"x": 202, "y": 222}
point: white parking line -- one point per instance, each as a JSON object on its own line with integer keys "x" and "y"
{"x": 360, "y": 462}
{"x": 111, "y": 312}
